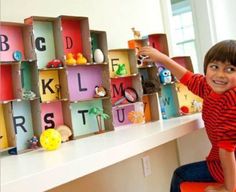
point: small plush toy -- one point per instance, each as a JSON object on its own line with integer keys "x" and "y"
{"x": 64, "y": 131}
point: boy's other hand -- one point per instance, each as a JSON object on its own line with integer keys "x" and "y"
{"x": 216, "y": 189}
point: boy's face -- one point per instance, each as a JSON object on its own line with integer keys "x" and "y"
{"x": 221, "y": 76}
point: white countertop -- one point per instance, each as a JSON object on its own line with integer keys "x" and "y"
{"x": 42, "y": 170}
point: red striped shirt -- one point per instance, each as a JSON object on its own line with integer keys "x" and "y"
{"x": 219, "y": 116}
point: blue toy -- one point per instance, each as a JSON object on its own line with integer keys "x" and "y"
{"x": 165, "y": 76}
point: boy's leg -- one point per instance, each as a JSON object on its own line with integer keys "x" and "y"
{"x": 191, "y": 172}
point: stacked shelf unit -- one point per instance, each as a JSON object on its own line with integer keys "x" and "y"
{"x": 125, "y": 112}
{"x": 163, "y": 100}
{"x": 63, "y": 95}
{"x": 19, "y": 116}
{"x": 36, "y": 96}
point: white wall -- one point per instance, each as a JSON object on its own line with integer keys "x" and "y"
{"x": 193, "y": 147}
{"x": 127, "y": 176}
{"x": 116, "y": 17}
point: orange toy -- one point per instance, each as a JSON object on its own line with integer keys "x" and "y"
{"x": 70, "y": 59}
{"x": 81, "y": 59}
{"x": 195, "y": 186}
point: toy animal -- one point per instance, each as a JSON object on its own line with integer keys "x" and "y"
{"x": 100, "y": 91}
{"x": 81, "y": 59}
{"x": 121, "y": 70}
{"x": 165, "y": 76}
{"x": 70, "y": 59}
{"x": 197, "y": 106}
{"x": 136, "y": 33}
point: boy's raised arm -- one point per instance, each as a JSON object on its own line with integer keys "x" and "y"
{"x": 155, "y": 55}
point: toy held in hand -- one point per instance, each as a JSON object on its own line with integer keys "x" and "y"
{"x": 50, "y": 139}
{"x": 141, "y": 59}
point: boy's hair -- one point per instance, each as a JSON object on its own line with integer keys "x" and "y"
{"x": 224, "y": 51}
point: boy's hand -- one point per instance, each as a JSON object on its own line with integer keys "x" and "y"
{"x": 153, "y": 54}
{"x": 216, "y": 189}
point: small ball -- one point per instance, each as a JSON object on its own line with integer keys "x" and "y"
{"x": 50, "y": 139}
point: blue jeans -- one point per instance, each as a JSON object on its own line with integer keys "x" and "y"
{"x": 197, "y": 172}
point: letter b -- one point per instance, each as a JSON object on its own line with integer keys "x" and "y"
{"x": 4, "y": 46}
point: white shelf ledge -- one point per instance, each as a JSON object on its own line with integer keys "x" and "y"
{"x": 42, "y": 170}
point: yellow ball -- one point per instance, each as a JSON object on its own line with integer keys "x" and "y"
{"x": 50, "y": 139}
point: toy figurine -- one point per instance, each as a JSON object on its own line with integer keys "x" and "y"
{"x": 136, "y": 33}
{"x": 33, "y": 142}
{"x": 100, "y": 91}
{"x": 100, "y": 115}
{"x": 70, "y": 59}
{"x": 81, "y": 59}
{"x": 197, "y": 106}
{"x": 55, "y": 63}
{"x": 28, "y": 95}
{"x": 121, "y": 70}
{"x": 165, "y": 76}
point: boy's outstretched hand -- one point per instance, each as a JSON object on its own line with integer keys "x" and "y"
{"x": 153, "y": 54}
{"x": 177, "y": 70}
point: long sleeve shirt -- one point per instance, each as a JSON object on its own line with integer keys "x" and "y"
{"x": 219, "y": 116}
